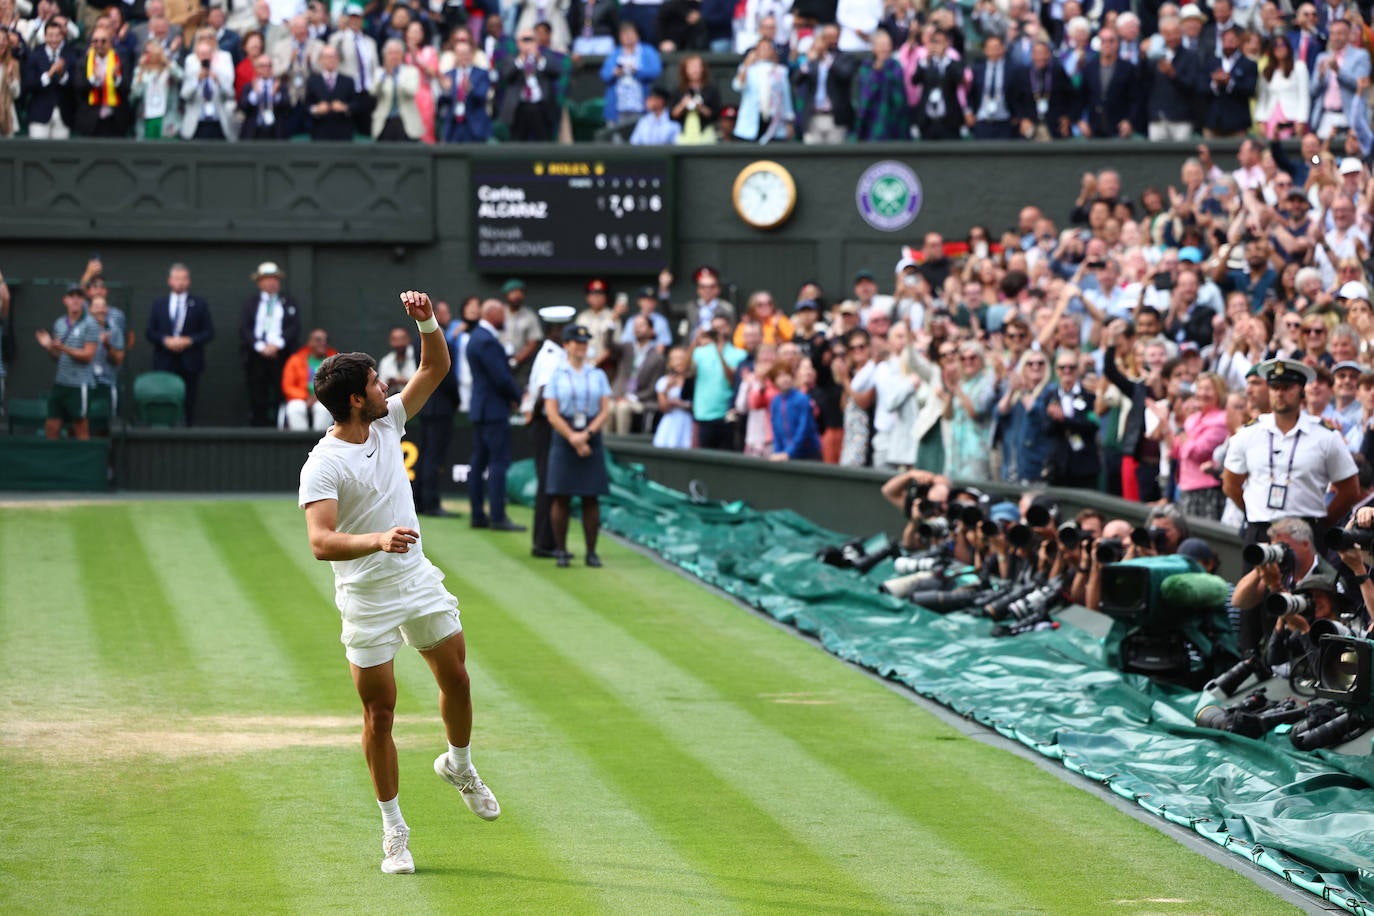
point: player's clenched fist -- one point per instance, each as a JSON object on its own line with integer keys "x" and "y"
{"x": 397, "y": 540}
{"x": 417, "y": 304}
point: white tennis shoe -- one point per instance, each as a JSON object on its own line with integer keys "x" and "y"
{"x": 396, "y": 849}
{"x": 475, "y": 792}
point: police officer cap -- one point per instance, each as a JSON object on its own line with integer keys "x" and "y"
{"x": 557, "y": 314}
{"x": 577, "y": 334}
{"x": 1284, "y": 371}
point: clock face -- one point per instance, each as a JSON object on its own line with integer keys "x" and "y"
{"x": 765, "y": 197}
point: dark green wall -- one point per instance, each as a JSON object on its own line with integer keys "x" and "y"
{"x": 354, "y": 223}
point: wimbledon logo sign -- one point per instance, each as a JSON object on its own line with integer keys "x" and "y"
{"x": 889, "y": 196}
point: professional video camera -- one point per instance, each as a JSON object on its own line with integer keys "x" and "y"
{"x": 1343, "y": 677}
{"x": 1253, "y": 716}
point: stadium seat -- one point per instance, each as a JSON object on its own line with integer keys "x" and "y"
{"x": 27, "y": 415}
{"x": 159, "y": 398}
{"x": 587, "y": 118}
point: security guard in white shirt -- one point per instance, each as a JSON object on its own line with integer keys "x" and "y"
{"x": 550, "y": 357}
{"x": 1281, "y": 463}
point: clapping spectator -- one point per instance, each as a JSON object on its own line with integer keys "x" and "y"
{"x": 1111, "y": 90}
{"x": 396, "y": 117}
{"x": 939, "y": 113}
{"x": 628, "y": 74}
{"x": 463, "y": 106}
{"x": 422, "y": 56}
{"x": 1231, "y": 82}
{"x": 824, "y": 78}
{"x": 207, "y": 92}
{"x": 101, "y": 83}
{"x": 553, "y": 13}
{"x": 674, "y": 391}
{"x": 1172, "y": 76}
{"x": 246, "y": 68}
{"x": 765, "y": 107}
{"x": 529, "y": 92}
{"x": 1283, "y": 102}
{"x": 1025, "y": 435}
{"x": 969, "y": 395}
{"x": 594, "y": 25}
{"x": 358, "y": 60}
{"x": 155, "y": 91}
{"x": 294, "y": 61}
{"x": 697, "y": 105}
{"x": 330, "y": 97}
{"x": 753, "y": 399}
{"x": 1048, "y": 100}
{"x": 11, "y": 82}
{"x": 265, "y": 104}
{"x": 47, "y": 81}
{"x": 774, "y": 326}
{"x": 1073, "y": 459}
{"x": 1199, "y": 478}
{"x": 655, "y": 127}
{"x": 881, "y": 113}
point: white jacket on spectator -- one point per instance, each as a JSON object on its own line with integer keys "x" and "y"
{"x": 221, "y": 99}
{"x": 1290, "y": 93}
{"x": 755, "y": 11}
{"x": 406, "y": 84}
{"x": 856, "y": 16}
{"x": 555, "y": 13}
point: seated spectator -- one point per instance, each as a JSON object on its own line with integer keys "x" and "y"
{"x": 628, "y": 74}
{"x": 765, "y": 107}
{"x": 265, "y": 104}
{"x": 792, "y": 418}
{"x": 466, "y": 89}
{"x": 881, "y": 112}
{"x": 207, "y": 92}
{"x": 398, "y": 365}
{"x": 529, "y": 92}
{"x": 156, "y": 89}
{"x": 330, "y": 98}
{"x": 655, "y": 127}
{"x": 697, "y": 104}
{"x": 303, "y": 411}
{"x": 101, "y": 84}
{"x": 638, "y": 367}
{"x": 396, "y": 117}
{"x": 674, "y": 391}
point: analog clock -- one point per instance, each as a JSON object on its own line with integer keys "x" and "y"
{"x": 765, "y": 195}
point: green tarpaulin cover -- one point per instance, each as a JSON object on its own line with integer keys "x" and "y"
{"x": 1308, "y": 817}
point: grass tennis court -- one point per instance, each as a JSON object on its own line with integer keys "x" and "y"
{"x": 179, "y": 734}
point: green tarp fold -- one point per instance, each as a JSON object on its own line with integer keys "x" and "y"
{"x": 1307, "y": 817}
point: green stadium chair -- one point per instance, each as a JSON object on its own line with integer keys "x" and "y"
{"x": 99, "y": 416}
{"x": 587, "y": 118}
{"x": 27, "y": 415}
{"x": 500, "y": 132}
{"x": 159, "y": 398}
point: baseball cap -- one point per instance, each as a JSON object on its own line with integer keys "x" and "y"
{"x": 807, "y": 304}
{"x": 511, "y": 286}
{"x": 75, "y": 289}
{"x": 1351, "y": 166}
{"x": 1347, "y": 364}
{"x": 1354, "y": 290}
{"x": 904, "y": 263}
{"x": 865, "y": 274}
{"x": 849, "y": 307}
{"x": 1005, "y": 512}
{"x": 1190, "y": 253}
{"x": 1196, "y": 549}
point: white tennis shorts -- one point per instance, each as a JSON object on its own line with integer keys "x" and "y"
{"x": 417, "y": 610}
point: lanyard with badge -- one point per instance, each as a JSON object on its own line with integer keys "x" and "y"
{"x": 1278, "y": 493}
{"x": 579, "y": 417}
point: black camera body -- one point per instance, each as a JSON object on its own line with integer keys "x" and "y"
{"x": 1253, "y": 716}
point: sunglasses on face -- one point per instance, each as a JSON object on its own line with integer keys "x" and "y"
{"x": 1316, "y": 331}
{"x": 1067, "y": 368}
{"x": 1036, "y": 363}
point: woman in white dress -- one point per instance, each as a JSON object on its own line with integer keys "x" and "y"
{"x": 675, "y": 402}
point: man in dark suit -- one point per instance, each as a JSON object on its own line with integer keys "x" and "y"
{"x": 989, "y": 114}
{"x": 227, "y": 39}
{"x": 47, "y": 81}
{"x": 269, "y": 332}
{"x": 638, "y": 366}
{"x": 1073, "y": 429}
{"x": 330, "y": 98}
{"x": 493, "y": 392}
{"x": 1171, "y": 80}
{"x": 1111, "y": 92}
{"x": 436, "y": 430}
{"x": 529, "y": 92}
{"x": 102, "y": 100}
{"x": 824, "y": 79}
{"x": 938, "y": 112}
{"x": 463, "y": 114}
{"x": 1229, "y": 85}
{"x": 1222, "y": 19}
{"x": 179, "y": 328}
{"x": 265, "y": 103}
{"x": 1045, "y": 99}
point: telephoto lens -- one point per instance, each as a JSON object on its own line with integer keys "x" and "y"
{"x": 1038, "y": 517}
{"x": 1110, "y": 550}
{"x": 907, "y": 565}
{"x": 1019, "y": 535}
{"x": 971, "y": 516}
{"x": 934, "y": 529}
{"x": 1344, "y": 539}
{"x": 903, "y": 586}
{"x": 1155, "y": 539}
{"x": 1259, "y": 554}
{"x": 1229, "y": 681}
{"x": 1280, "y": 603}
{"x": 1217, "y": 717}
{"x": 989, "y": 529}
{"x": 1070, "y": 535}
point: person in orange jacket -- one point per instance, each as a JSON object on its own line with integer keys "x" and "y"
{"x": 303, "y": 412}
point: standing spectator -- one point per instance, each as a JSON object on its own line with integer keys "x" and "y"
{"x": 520, "y": 334}
{"x": 598, "y": 319}
{"x": 628, "y": 75}
{"x": 765, "y": 107}
{"x": 824, "y": 78}
{"x": 638, "y": 367}
{"x": 269, "y": 331}
{"x": 463, "y": 106}
{"x": 1111, "y": 91}
{"x": 969, "y": 394}
{"x": 73, "y": 342}
{"x": 793, "y": 418}
{"x": 109, "y": 356}
{"x": 858, "y": 399}
{"x": 1342, "y": 72}
{"x": 180, "y": 327}
{"x": 702, "y": 311}
{"x": 682, "y": 27}
{"x": 436, "y": 431}
{"x": 1048, "y": 100}
{"x": 551, "y": 13}
{"x": 577, "y": 402}
{"x": 674, "y": 390}
{"x": 330, "y": 97}
{"x": 529, "y": 92}
{"x": 245, "y": 69}
{"x": 155, "y": 91}
{"x": 358, "y": 60}
{"x": 396, "y": 117}
{"x": 1172, "y": 76}
{"x": 48, "y": 76}
{"x": 881, "y": 113}
{"x": 208, "y": 94}
{"x": 303, "y": 410}
{"x": 753, "y": 398}
{"x": 1231, "y": 82}
{"x": 939, "y": 113}
{"x": 422, "y": 56}
{"x": 1345, "y": 240}
{"x": 594, "y": 25}
{"x": 697, "y": 104}
{"x": 858, "y": 21}
{"x": 4, "y": 318}
{"x": 655, "y": 127}
{"x": 494, "y": 391}
{"x": 1025, "y": 437}
{"x": 646, "y": 300}
{"x": 294, "y": 60}
{"x": 989, "y": 113}
{"x": 1073, "y": 460}
{"x": 775, "y": 327}
{"x": 101, "y": 83}
{"x": 1306, "y": 40}
{"x": 1199, "y": 491}
{"x": 225, "y": 38}
{"x": 399, "y": 365}
{"x": 1283, "y": 102}
{"x": 715, "y": 361}
{"x": 11, "y": 83}
{"x": 265, "y": 105}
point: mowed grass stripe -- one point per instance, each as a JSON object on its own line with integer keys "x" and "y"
{"x": 816, "y": 803}
{"x": 42, "y": 605}
{"x": 908, "y": 759}
{"x": 754, "y": 860}
{"x": 225, "y": 632}
{"x": 137, "y": 631}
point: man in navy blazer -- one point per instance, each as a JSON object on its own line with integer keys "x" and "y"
{"x": 1228, "y": 83}
{"x": 493, "y": 393}
{"x": 179, "y": 328}
{"x": 47, "y": 79}
{"x": 1113, "y": 109}
{"x": 265, "y": 103}
{"x": 331, "y": 99}
{"x": 1305, "y": 20}
{"x": 463, "y": 106}
{"x": 1172, "y": 80}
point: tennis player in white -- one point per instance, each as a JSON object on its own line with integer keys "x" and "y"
{"x": 361, "y": 517}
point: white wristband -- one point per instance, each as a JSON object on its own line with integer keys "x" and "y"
{"x": 429, "y": 324}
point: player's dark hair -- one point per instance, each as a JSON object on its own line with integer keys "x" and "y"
{"x": 339, "y": 378}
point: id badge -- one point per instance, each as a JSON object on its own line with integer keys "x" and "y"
{"x": 1042, "y": 107}
{"x": 1278, "y": 495}
{"x": 460, "y": 110}
{"x": 579, "y": 420}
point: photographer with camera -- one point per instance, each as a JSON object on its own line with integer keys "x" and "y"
{"x": 1289, "y": 557}
{"x": 907, "y": 491}
{"x": 1281, "y": 464}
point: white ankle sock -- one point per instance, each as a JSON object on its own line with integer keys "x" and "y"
{"x": 391, "y": 813}
{"x": 460, "y": 756}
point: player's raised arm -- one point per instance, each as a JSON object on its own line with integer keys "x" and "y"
{"x": 434, "y": 358}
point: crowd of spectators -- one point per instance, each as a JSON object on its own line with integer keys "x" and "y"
{"x": 821, "y": 71}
